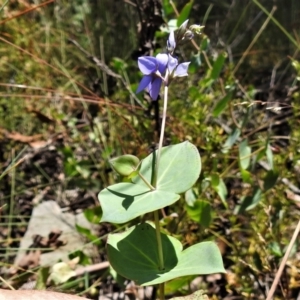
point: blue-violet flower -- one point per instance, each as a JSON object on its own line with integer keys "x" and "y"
{"x": 153, "y": 69}
{"x": 175, "y": 69}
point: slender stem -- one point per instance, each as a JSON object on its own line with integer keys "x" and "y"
{"x": 152, "y": 188}
{"x": 159, "y": 243}
{"x": 156, "y": 213}
{"x": 162, "y": 291}
{"x": 162, "y": 132}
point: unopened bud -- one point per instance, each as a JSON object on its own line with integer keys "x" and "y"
{"x": 196, "y": 28}
{"x": 171, "y": 43}
{"x": 182, "y": 29}
{"x": 188, "y": 35}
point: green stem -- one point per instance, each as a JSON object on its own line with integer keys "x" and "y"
{"x": 152, "y": 188}
{"x": 159, "y": 243}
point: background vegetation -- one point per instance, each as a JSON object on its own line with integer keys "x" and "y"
{"x": 67, "y": 82}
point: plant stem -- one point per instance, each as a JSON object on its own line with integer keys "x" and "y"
{"x": 156, "y": 213}
{"x": 162, "y": 133}
{"x": 160, "y": 253}
{"x": 162, "y": 291}
{"x": 159, "y": 243}
{"x": 152, "y": 188}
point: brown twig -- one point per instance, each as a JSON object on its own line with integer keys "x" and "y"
{"x": 92, "y": 268}
{"x": 26, "y": 11}
{"x": 283, "y": 263}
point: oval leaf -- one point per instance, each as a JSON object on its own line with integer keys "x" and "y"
{"x": 125, "y": 201}
{"x": 179, "y": 168}
{"x": 244, "y": 154}
{"x": 249, "y": 202}
{"x": 270, "y": 180}
{"x": 125, "y": 164}
{"x": 133, "y": 254}
{"x": 220, "y": 187}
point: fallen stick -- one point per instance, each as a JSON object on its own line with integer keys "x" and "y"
{"x": 36, "y": 295}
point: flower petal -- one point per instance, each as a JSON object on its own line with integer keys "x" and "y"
{"x": 147, "y": 64}
{"x": 181, "y": 69}
{"x": 162, "y": 61}
{"x": 154, "y": 88}
{"x": 173, "y": 62}
{"x": 146, "y": 80}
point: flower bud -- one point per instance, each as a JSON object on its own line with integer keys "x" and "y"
{"x": 171, "y": 43}
{"x": 196, "y": 28}
{"x": 182, "y": 29}
{"x": 188, "y": 35}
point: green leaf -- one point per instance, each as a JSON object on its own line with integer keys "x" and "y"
{"x": 118, "y": 64}
{"x": 200, "y": 212}
{"x": 249, "y": 202}
{"x": 244, "y": 154}
{"x": 178, "y": 284}
{"x": 258, "y": 157}
{"x": 195, "y": 63}
{"x": 42, "y": 277}
{"x": 179, "y": 168}
{"x": 87, "y": 232}
{"x": 133, "y": 254}
{"x": 185, "y": 12}
{"x": 125, "y": 201}
{"x": 190, "y": 197}
{"x": 232, "y": 138}
{"x": 270, "y": 180}
{"x": 125, "y": 164}
{"x": 217, "y": 66}
{"x": 167, "y": 7}
{"x": 84, "y": 259}
{"x": 93, "y": 215}
{"x": 246, "y": 176}
{"x": 275, "y": 249}
{"x": 204, "y": 45}
{"x": 198, "y": 295}
{"x": 220, "y": 187}
{"x": 172, "y": 25}
{"x": 221, "y": 105}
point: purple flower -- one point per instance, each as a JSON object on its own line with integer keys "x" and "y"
{"x": 153, "y": 69}
{"x": 175, "y": 69}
